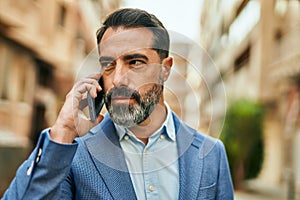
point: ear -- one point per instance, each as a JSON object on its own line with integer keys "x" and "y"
{"x": 166, "y": 67}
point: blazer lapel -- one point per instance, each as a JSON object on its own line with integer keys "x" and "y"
{"x": 109, "y": 159}
{"x": 190, "y": 163}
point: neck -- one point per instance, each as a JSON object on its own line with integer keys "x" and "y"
{"x": 144, "y": 130}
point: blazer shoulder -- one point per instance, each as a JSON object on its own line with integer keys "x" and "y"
{"x": 205, "y": 143}
{"x": 189, "y": 136}
{"x": 199, "y": 138}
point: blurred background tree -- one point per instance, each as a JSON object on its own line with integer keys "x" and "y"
{"x": 243, "y": 138}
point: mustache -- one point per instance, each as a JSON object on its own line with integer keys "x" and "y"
{"x": 123, "y": 91}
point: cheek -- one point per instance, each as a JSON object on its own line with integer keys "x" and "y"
{"x": 150, "y": 86}
{"x": 145, "y": 88}
{"x": 148, "y": 77}
{"x": 107, "y": 84}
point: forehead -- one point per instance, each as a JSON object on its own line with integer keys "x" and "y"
{"x": 120, "y": 40}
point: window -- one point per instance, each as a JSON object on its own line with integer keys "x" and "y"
{"x": 245, "y": 22}
{"x": 242, "y": 60}
{"x": 278, "y": 35}
{"x": 45, "y": 75}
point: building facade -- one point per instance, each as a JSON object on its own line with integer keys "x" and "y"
{"x": 42, "y": 45}
{"x": 255, "y": 44}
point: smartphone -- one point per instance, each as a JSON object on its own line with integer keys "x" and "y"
{"x": 95, "y": 104}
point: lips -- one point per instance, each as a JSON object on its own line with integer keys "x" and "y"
{"x": 122, "y": 95}
{"x": 121, "y": 98}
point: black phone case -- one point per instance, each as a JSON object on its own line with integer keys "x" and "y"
{"x": 96, "y": 104}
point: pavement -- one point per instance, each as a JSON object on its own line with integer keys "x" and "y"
{"x": 257, "y": 190}
{"x": 242, "y": 195}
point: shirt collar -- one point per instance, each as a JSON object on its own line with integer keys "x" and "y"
{"x": 168, "y": 127}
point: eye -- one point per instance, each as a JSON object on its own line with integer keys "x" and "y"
{"x": 136, "y": 63}
{"x": 107, "y": 65}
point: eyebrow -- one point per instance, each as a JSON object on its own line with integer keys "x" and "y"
{"x": 106, "y": 59}
{"x": 134, "y": 56}
{"x": 126, "y": 57}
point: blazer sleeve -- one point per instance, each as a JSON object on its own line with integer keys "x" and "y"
{"x": 41, "y": 175}
{"x": 225, "y": 186}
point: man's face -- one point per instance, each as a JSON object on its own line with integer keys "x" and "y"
{"x": 132, "y": 74}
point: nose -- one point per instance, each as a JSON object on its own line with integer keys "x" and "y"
{"x": 120, "y": 77}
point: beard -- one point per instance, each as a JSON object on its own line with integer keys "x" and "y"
{"x": 131, "y": 114}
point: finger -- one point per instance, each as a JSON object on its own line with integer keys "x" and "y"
{"x": 83, "y": 81}
{"x": 79, "y": 95}
{"x": 95, "y": 76}
{"x": 80, "y": 89}
{"x": 84, "y": 87}
{"x": 93, "y": 92}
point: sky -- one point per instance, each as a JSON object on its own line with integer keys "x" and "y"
{"x": 182, "y": 16}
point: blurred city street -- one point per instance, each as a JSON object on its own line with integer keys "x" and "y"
{"x": 235, "y": 77}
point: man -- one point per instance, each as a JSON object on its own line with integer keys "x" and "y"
{"x": 140, "y": 150}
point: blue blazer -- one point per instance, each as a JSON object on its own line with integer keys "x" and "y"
{"x": 94, "y": 167}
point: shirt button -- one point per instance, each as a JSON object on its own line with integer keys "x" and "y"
{"x": 146, "y": 152}
{"x": 40, "y": 152}
{"x": 30, "y": 169}
{"x": 162, "y": 137}
{"x": 151, "y": 188}
{"x": 126, "y": 137}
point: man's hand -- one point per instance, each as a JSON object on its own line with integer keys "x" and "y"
{"x": 71, "y": 122}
